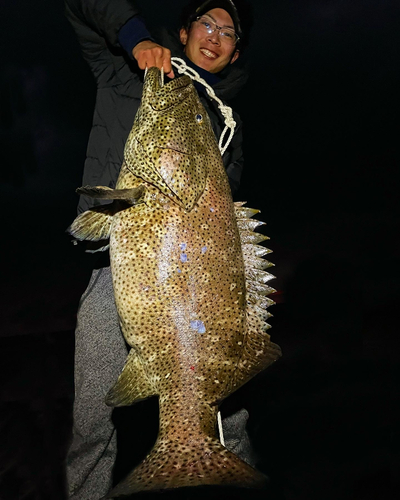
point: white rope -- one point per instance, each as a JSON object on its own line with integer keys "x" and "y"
{"x": 220, "y": 430}
{"x": 226, "y": 111}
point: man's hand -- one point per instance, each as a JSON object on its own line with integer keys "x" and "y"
{"x": 148, "y": 54}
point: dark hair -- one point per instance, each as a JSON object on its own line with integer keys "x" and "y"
{"x": 239, "y": 10}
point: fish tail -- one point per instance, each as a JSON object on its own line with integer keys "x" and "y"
{"x": 172, "y": 464}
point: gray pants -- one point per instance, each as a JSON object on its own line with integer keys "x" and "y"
{"x": 100, "y": 354}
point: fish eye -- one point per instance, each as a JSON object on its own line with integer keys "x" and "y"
{"x": 199, "y": 118}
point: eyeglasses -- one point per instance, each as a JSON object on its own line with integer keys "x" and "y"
{"x": 227, "y": 35}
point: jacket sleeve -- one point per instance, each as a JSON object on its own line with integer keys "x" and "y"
{"x": 105, "y": 17}
{"x": 233, "y": 157}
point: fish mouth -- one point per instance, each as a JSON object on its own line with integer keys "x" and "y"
{"x": 164, "y": 96}
{"x": 155, "y": 82}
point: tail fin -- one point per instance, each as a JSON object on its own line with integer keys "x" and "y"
{"x": 174, "y": 465}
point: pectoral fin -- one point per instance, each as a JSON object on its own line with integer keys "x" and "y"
{"x": 94, "y": 224}
{"x": 133, "y": 384}
{"x": 132, "y": 196}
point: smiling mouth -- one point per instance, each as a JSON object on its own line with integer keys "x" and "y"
{"x": 209, "y": 54}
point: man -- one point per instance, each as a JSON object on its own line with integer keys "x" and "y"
{"x": 117, "y": 46}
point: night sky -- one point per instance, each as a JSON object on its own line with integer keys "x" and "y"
{"x": 321, "y": 162}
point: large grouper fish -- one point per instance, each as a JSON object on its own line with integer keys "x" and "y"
{"x": 190, "y": 287}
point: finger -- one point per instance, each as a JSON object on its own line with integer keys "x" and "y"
{"x": 167, "y": 65}
{"x": 158, "y": 53}
{"x": 143, "y": 60}
{"x": 167, "y": 60}
{"x": 149, "y": 59}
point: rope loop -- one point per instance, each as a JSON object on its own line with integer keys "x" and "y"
{"x": 226, "y": 111}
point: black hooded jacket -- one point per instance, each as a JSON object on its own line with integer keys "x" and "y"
{"x": 119, "y": 87}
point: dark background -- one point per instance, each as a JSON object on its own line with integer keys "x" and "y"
{"x": 321, "y": 148}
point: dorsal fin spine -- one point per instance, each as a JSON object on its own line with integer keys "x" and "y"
{"x": 258, "y": 351}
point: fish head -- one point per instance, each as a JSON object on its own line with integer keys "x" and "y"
{"x": 172, "y": 144}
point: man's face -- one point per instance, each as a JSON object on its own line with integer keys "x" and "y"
{"x": 207, "y": 50}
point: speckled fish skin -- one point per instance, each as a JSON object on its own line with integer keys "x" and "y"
{"x": 190, "y": 290}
